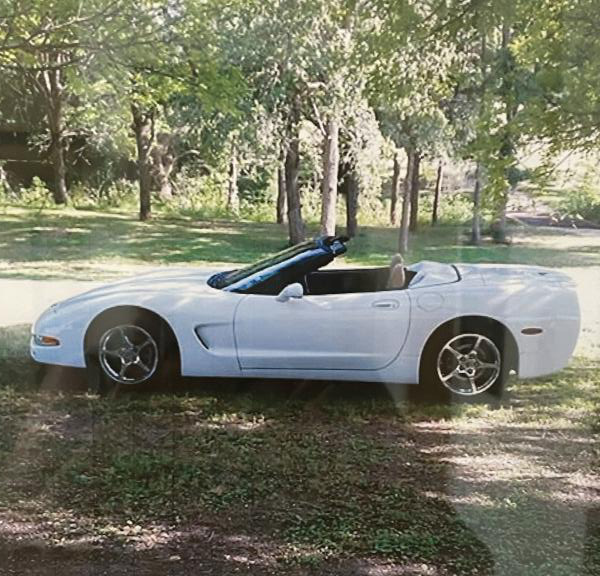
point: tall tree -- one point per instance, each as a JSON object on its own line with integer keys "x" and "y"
{"x": 476, "y": 222}
{"x": 352, "y": 186}
{"x": 331, "y": 160}
{"x": 406, "y": 198}
{"x": 281, "y": 191}
{"x": 415, "y": 189}
{"x": 292, "y": 165}
{"x": 233, "y": 197}
{"x": 493, "y": 92}
{"x": 408, "y": 101}
{"x": 178, "y": 84}
{"x": 395, "y": 191}
{"x": 436, "y": 192}
{"x": 143, "y": 129}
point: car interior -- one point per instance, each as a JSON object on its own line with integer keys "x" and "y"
{"x": 355, "y": 280}
{"x": 337, "y": 281}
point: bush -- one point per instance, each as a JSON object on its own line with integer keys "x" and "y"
{"x": 36, "y": 196}
{"x": 454, "y": 208}
{"x": 581, "y": 204}
{"x": 121, "y": 194}
{"x": 197, "y": 196}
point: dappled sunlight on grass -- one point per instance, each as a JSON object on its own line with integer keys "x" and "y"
{"x": 71, "y": 238}
{"x": 323, "y": 477}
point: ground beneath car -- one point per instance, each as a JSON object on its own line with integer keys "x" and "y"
{"x": 302, "y": 479}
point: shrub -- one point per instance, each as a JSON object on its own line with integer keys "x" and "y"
{"x": 454, "y": 208}
{"x": 37, "y": 195}
{"x": 120, "y": 194}
{"x": 581, "y": 204}
{"x": 198, "y": 196}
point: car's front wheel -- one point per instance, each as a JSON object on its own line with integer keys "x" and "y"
{"x": 131, "y": 351}
{"x": 464, "y": 364}
{"x": 128, "y": 354}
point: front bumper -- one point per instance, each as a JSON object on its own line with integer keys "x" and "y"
{"x": 69, "y": 351}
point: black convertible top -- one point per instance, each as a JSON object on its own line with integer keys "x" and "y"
{"x": 272, "y": 274}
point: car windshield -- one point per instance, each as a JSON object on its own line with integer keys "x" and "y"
{"x": 230, "y": 277}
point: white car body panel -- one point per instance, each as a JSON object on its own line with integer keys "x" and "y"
{"x": 331, "y": 332}
{"x": 368, "y": 336}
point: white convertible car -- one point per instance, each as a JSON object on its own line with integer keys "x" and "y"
{"x": 457, "y": 329}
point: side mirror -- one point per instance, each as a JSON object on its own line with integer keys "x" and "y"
{"x": 291, "y": 291}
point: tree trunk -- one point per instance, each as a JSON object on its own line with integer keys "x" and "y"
{"x": 352, "y": 192}
{"x": 281, "y": 199}
{"x": 414, "y": 192}
{"x": 294, "y": 210}
{"x": 508, "y": 146}
{"x": 331, "y": 161}
{"x": 476, "y": 223}
{"x": 499, "y": 233}
{"x": 163, "y": 161}
{"x": 395, "y": 191}
{"x": 53, "y": 89}
{"x": 406, "y": 198}
{"x": 143, "y": 128}
{"x": 233, "y": 198}
{"x": 436, "y": 193}
{"x": 59, "y": 169}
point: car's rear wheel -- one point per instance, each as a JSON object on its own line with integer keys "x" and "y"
{"x": 464, "y": 363}
{"x": 469, "y": 364}
{"x": 130, "y": 350}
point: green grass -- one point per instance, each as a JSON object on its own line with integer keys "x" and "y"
{"x": 324, "y": 473}
{"x": 68, "y": 243}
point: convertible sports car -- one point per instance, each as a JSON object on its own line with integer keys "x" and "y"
{"x": 457, "y": 329}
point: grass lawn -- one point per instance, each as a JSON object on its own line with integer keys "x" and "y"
{"x": 279, "y": 477}
{"x": 67, "y": 243}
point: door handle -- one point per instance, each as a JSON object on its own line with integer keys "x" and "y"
{"x": 386, "y": 304}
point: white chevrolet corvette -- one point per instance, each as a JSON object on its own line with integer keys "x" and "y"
{"x": 457, "y": 329}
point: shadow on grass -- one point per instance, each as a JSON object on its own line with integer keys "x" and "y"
{"x": 275, "y": 477}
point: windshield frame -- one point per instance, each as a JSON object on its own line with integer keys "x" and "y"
{"x": 248, "y": 278}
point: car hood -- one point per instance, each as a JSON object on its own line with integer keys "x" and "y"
{"x": 169, "y": 280}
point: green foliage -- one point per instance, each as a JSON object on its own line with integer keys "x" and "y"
{"x": 465, "y": 80}
{"x": 36, "y": 195}
{"x": 582, "y": 203}
{"x": 197, "y": 196}
{"x": 455, "y": 208}
{"x": 119, "y": 194}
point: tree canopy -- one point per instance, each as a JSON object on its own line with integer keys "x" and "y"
{"x": 302, "y": 102}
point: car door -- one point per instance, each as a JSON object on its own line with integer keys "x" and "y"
{"x": 363, "y": 331}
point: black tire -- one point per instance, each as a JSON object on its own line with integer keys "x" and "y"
{"x": 165, "y": 368}
{"x": 431, "y": 388}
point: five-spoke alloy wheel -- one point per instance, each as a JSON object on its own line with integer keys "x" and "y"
{"x": 128, "y": 354}
{"x": 469, "y": 364}
{"x": 467, "y": 361}
{"x": 131, "y": 348}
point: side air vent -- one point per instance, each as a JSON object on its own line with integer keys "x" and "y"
{"x": 202, "y": 340}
